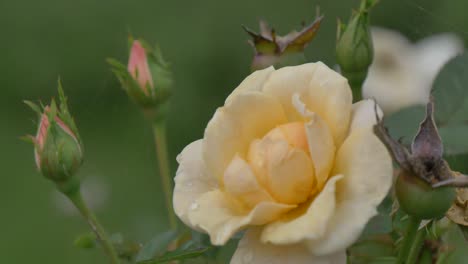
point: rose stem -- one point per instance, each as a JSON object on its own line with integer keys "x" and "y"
{"x": 77, "y": 200}
{"x": 411, "y": 242}
{"x": 159, "y": 131}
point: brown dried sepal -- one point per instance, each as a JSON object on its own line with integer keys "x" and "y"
{"x": 267, "y": 41}
{"x": 458, "y": 213}
{"x": 425, "y": 159}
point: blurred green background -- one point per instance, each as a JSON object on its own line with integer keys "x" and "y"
{"x": 203, "y": 40}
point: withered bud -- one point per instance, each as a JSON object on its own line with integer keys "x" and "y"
{"x": 425, "y": 160}
{"x": 274, "y": 50}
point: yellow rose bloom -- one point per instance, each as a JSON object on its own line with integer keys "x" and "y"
{"x": 290, "y": 159}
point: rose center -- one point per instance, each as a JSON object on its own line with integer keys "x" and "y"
{"x": 282, "y": 163}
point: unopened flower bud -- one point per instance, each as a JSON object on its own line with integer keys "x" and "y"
{"x": 138, "y": 67}
{"x": 279, "y": 51}
{"x": 146, "y": 78}
{"x": 354, "y": 49}
{"x": 57, "y": 147}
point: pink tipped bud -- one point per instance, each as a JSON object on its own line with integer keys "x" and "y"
{"x": 41, "y": 136}
{"x": 138, "y": 66}
{"x": 43, "y": 131}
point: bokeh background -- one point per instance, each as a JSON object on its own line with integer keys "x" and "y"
{"x": 41, "y": 40}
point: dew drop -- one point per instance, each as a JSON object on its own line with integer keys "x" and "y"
{"x": 194, "y": 206}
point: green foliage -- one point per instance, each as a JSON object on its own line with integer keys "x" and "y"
{"x": 189, "y": 250}
{"x": 156, "y": 246}
{"x": 450, "y": 92}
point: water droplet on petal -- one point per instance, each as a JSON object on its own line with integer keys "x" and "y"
{"x": 194, "y": 206}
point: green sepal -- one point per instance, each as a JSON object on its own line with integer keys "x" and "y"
{"x": 64, "y": 113}
{"x": 33, "y": 106}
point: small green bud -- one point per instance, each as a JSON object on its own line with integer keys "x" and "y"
{"x": 147, "y": 79}
{"x": 279, "y": 51}
{"x": 354, "y": 49}
{"x": 57, "y": 146}
{"x": 419, "y": 199}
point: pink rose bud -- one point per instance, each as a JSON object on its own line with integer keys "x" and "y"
{"x": 147, "y": 78}
{"x": 57, "y": 147}
{"x": 138, "y": 66}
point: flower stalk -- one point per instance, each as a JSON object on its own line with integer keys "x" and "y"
{"x": 159, "y": 131}
{"x": 96, "y": 227}
{"x": 412, "y": 242}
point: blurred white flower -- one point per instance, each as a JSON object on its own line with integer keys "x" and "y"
{"x": 403, "y": 72}
{"x": 96, "y": 193}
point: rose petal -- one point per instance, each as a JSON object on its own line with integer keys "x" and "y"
{"x": 138, "y": 66}
{"x": 320, "y": 141}
{"x": 290, "y": 176}
{"x": 308, "y": 222}
{"x": 221, "y": 217}
{"x": 252, "y": 251}
{"x": 364, "y": 116}
{"x": 241, "y": 182}
{"x": 324, "y": 92}
{"x": 248, "y": 116}
{"x": 253, "y": 82}
{"x": 367, "y": 169}
{"x": 191, "y": 180}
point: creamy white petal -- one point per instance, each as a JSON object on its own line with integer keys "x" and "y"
{"x": 287, "y": 81}
{"x": 191, "y": 180}
{"x": 306, "y": 222}
{"x": 394, "y": 79}
{"x": 248, "y": 116}
{"x": 253, "y": 82}
{"x": 367, "y": 169}
{"x": 331, "y": 98}
{"x": 434, "y": 51}
{"x": 221, "y": 216}
{"x": 323, "y": 91}
{"x": 252, "y": 251}
{"x": 364, "y": 115}
{"x": 320, "y": 141}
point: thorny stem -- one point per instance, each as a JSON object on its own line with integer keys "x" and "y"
{"x": 77, "y": 200}
{"x": 159, "y": 131}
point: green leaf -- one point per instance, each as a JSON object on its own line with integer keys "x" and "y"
{"x": 371, "y": 249}
{"x": 450, "y": 89}
{"x": 404, "y": 124}
{"x": 382, "y": 222}
{"x": 186, "y": 251}
{"x": 455, "y": 246}
{"x": 156, "y": 246}
{"x": 455, "y": 138}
